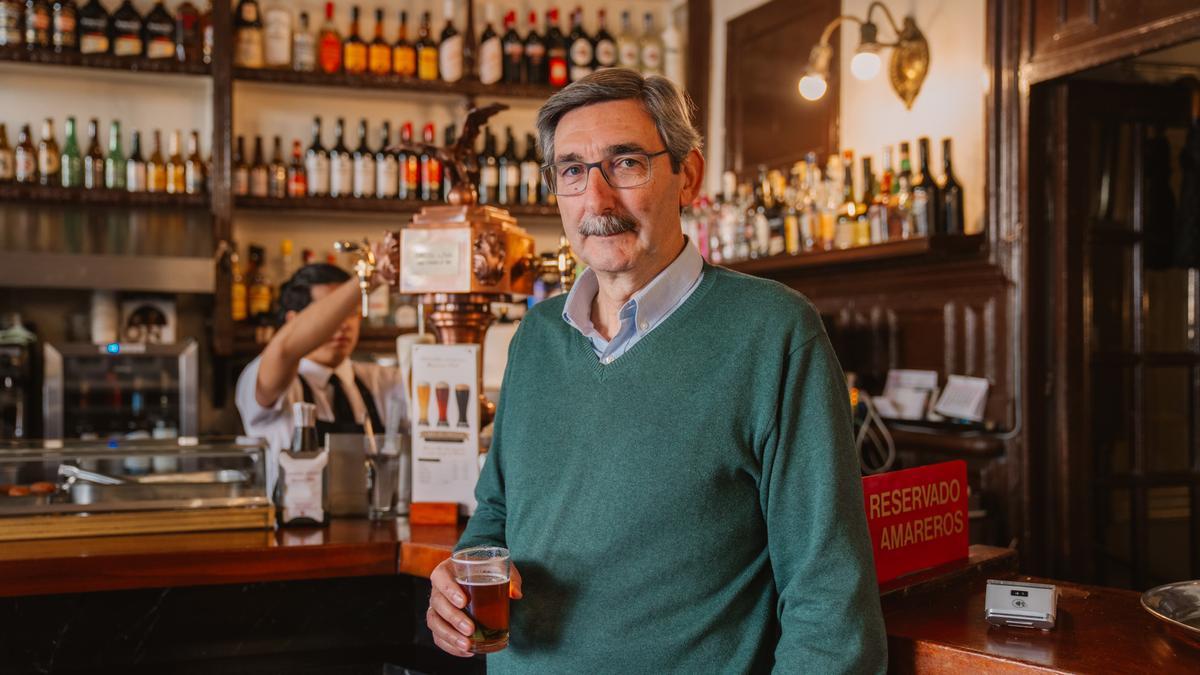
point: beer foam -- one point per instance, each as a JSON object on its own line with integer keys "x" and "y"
{"x": 484, "y": 580}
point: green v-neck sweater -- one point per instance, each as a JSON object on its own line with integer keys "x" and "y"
{"x": 693, "y": 507}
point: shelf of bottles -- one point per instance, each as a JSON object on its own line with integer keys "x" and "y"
{"x": 815, "y": 219}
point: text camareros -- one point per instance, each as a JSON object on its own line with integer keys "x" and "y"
{"x": 904, "y": 500}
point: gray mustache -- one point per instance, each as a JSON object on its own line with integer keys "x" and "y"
{"x": 606, "y": 225}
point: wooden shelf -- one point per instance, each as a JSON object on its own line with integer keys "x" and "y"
{"x": 57, "y": 195}
{"x": 102, "y": 61}
{"x": 367, "y": 205}
{"x": 949, "y": 443}
{"x": 160, "y": 274}
{"x": 938, "y": 246}
{"x": 380, "y": 340}
{"x": 394, "y": 83}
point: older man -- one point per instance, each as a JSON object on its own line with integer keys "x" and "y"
{"x": 694, "y": 504}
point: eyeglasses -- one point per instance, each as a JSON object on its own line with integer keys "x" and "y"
{"x": 622, "y": 171}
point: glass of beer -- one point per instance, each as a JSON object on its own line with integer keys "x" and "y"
{"x": 462, "y": 396}
{"x": 441, "y": 391}
{"x": 483, "y": 572}
{"x": 423, "y": 403}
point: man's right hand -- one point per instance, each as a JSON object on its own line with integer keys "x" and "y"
{"x": 451, "y": 627}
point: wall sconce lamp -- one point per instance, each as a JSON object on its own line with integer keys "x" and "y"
{"x": 907, "y": 69}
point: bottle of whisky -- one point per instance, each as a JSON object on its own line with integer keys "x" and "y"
{"x": 951, "y": 217}
{"x": 329, "y": 45}
{"x": 93, "y": 161}
{"x": 427, "y": 51}
{"x": 238, "y": 303}
{"x": 194, "y": 171}
{"x": 176, "y": 166}
{"x": 316, "y": 164}
{"x": 248, "y": 36}
{"x": 72, "y": 160}
{"x": 38, "y": 24}
{"x": 387, "y": 170}
{"x": 900, "y": 225}
{"x": 450, "y": 50}
{"x": 258, "y": 294}
{"x": 843, "y": 236}
{"x": 277, "y": 37}
{"x": 241, "y": 170}
{"x": 135, "y": 166}
{"x": 94, "y": 28}
{"x": 379, "y": 54}
{"x": 127, "y": 31}
{"x": 114, "y": 162}
{"x": 404, "y": 56}
{"x": 49, "y": 159}
{"x": 304, "y": 47}
{"x": 64, "y": 20}
{"x": 925, "y": 197}
{"x": 302, "y": 486}
{"x": 25, "y": 157}
{"x": 297, "y": 176}
{"x": 277, "y": 171}
{"x": 354, "y": 50}
{"x": 363, "y": 165}
{"x": 159, "y": 33}
{"x": 189, "y": 39}
{"x": 259, "y": 175}
{"x": 156, "y": 166}
{"x": 341, "y": 164}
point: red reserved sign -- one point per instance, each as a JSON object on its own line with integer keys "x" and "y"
{"x": 917, "y": 517}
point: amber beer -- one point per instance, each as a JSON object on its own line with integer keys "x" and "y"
{"x": 483, "y": 573}
{"x": 423, "y": 403}
{"x": 487, "y": 605}
{"x": 441, "y": 391}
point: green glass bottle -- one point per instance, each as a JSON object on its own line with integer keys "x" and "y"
{"x": 72, "y": 160}
{"x": 114, "y": 163}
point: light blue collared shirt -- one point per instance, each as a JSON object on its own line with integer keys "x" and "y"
{"x": 642, "y": 313}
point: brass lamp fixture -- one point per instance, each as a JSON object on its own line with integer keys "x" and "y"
{"x": 908, "y": 67}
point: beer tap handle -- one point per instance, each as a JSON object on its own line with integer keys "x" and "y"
{"x": 364, "y": 267}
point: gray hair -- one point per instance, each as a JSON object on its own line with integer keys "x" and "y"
{"x": 669, "y": 106}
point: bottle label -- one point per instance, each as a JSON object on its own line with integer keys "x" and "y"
{"x": 512, "y": 176}
{"x": 558, "y": 71}
{"x": 159, "y": 48}
{"x": 127, "y": 45}
{"x": 536, "y": 52}
{"x": 6, "y": 165}
{"x": 64, "y": 29}
{"x": 317, "y": 167}
{"x": 193, "y": 178}
{"x": 530, "y": 173}
{"x": 606, "y": 53}
{"x": 258, "y": 185}
{"x": 450, "y": 59}
{"x": 26, "y": 167}
{"x": 412, "y": 175}
{"x": 387, "y": 177}
{"x": 651, "y": 58}
{"x": 135, "y": 177}
{"x": 380, "y": 59}
{"x": 241, "y": 182}
{"x": 297, "y": 183}
{"x": 514, "y": 52}
{"x": 491, "y": 61}
{"x": 629, "y": 54}
{"x": 331, "y": 55}
{"x": 278, "y": 27}
{"x": 237, "y": 301}
{"x": 581, "y": 53}
{"x": 920, "y": 212}
{"x": 93, "y": 44}
{"x": 10, "y": 24}
{"x": 427, "y": 63}
{"x": 364, "y": 176}
{"x": 490, "y": 177}
{"x": 341, "y": 173}
{"x": 48, "y": 163}
{"x": 303, "y": 490}
{"x": 354, "y": 57}
{"x": 404, "y": 61}
{"x": 249, "y": 51}
{"x": 260, "y": 299}
{"x": 304, "y": 58}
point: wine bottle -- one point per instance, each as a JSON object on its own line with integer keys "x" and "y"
{"x": 316, "y": 163}
{"x": 341, "y": 164}
{"x": 364, "y": 165}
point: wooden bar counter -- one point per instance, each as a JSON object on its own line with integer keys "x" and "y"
{"x": 934, "y": 618}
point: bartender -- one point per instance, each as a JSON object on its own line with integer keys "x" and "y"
{"x": 309, "y": 360}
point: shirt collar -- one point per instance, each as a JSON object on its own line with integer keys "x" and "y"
{"x": 650, "y": 303}
{"x": 318, "y": 375}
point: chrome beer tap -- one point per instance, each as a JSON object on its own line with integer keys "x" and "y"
{"x": 364, "y": 267}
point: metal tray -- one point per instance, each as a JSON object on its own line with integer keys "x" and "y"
{"x": 1177, "y": 606}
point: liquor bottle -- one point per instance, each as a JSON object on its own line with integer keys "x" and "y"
{"x": 651, "y": 48}
{"x": 127, "y": 31}
{"x": 379, "y": 56}
{"x": 277, "y": 172}
{"x": 387, "y": 172}
{"x": 354, "y": 50}
{"x": 450, "y": 50}
{"x": 64, "y": 21}
{"x": 277, "y": 37}
{"x": 537, "y": 70}
{"x": 877, "y": 209}
{"x": 114, "y": 162}
{"x": 258, "y": 172}
{"x": 194, "y": 171}
{"x": 629, "y": 51}
{"x": 238, "y": 305}
{"x": 316, "y": 164}
{"x": 297, "y": 177}
{"x": 862, "y": 225}
{"x": 489, "y": 171}
{"x": 206, "y": 30}
{"x": 11, "y": 27}
{"x": 176, "y": 165}
{"x": 159, "y": 33}
{"x": 410, "y": 166}
{"x": 71, "y": 161}
{"x": 285, "y": 265}
{"x": 925, "y": 197}
{"x": 38, "y": 24}
{"x": 302, "y": 486}
{"x": 431, "y": 169}
{"x": 304, "y": 49}
{"x": 404, "y": 56}
{"x": 491, "y": 53}
{"x": 93, "y": 161}
{"x": 25, "y": 157}
{"x": 556, "y": 51}
{"x": 951, "y": 219}
{"x": 843, "y": 236}
{"x": 135, "y": 166}
{"x": 514, "y": 51}
{"x": 248, "y": 35}
{"x": 582, "y": 50}
{"x": 530, "y": 172}
{"x": 341, "y": 164}
{"x": 94, "y": 26}
{"x": 48, "y": 158}
{"x": 156, "y": 166}
{"x": 427, "y": 51}
{"x": 900, "y": 225}
{"x": 258, "y": 293}
{"x": 791, "y": 211}
{"x": 363, "y": 168}
{"x": 7, "y": 160}
{"x": 189, "y": 38}
{"x": 241, "y": 170}
{"x": 510, "y": 171}
{"x": 329, "y": 45}
{"x": 449, "y": 140}
{"x": 672, "y": 51}
{"x": 606, "y": 46}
